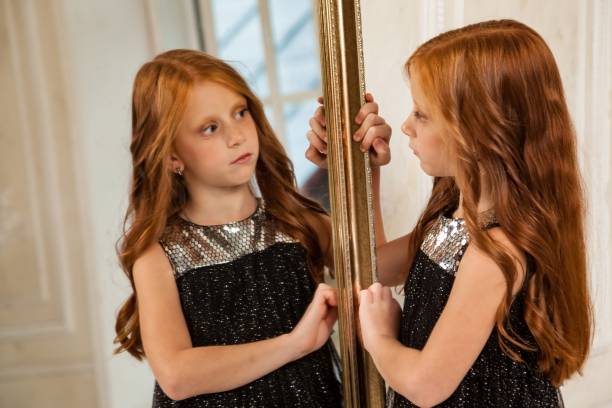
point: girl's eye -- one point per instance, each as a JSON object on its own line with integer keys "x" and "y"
{"x": 208, "y": 130}
{"x": 242, "y": 113}
{"x": 418, "y": 115}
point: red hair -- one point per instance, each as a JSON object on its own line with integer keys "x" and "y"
{"x": 496, "y": 87}
{"x": 159, "y": 100}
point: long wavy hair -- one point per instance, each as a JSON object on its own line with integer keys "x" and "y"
{"x": 157, "y": 195}
{"x": 497, "y": 89}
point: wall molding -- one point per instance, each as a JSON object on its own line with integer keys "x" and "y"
{"x": 34, "y": 206}
{"x": 597, "y": 130}
{"x": 592, "y": 118}
{"x": 17, "y": 373}
{"x": 26, "y": 54}
{"x": 437, "y": 16}
{"x": 83, "y": 219}
{"x": 34, "y": 330}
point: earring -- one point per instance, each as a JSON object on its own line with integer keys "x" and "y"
{"x": 179, "y": 171}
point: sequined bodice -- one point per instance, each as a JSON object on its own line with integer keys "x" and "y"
{"x": 494, "y": 380}
{"x": 445, "y": 243}
{"x": 244, "y": 282}
{"x": 191, "y": 246}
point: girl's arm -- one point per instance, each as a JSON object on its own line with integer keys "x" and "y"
{"x": 429, "y": 376}
{"x": 373, "y": 135}
{"x": 182, "y": 370}
{"x": 392, "y": 262}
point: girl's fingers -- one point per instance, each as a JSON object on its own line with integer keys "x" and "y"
{"x": 376, "y": 290}
{"x": 324, "y": 291}
{"x": 323, "y": 286}
{"x": 366, "y": 109}
{"x": 331, "y": 298}
{"x": 385, "y": 293}
{"x": 327, "y": 300}
{"x": 318, "y": 129}
{"x": 316, "y": 142}
{"x": 372, "y": 120}
{"x": 373, "y": 133}
{"x": 326, "y": 295}
{"x": 332, "y": 316}
{"x": 319, "y": 116}
{"x": 382, "y": 152}
{"x": 323, "y": 300}
{"x": 312, "y": 154}
{"x": 365, "y": 298}
{"x": 320, "y": 100}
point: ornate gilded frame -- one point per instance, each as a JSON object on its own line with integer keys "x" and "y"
{"x": 350, "y": 191}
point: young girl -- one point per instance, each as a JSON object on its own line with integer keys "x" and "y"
{"x": 497, "y": 312}
{"x": 224, "y": 305}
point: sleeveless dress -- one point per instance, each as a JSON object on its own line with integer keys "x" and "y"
{"x": 495, "y": 380}
{"x": 243, "y": 282}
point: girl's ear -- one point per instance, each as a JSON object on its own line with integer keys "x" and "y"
{"x": 176, "y": 164}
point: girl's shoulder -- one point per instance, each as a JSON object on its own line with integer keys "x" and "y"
{"x": 482, "y": 265}
{"x": 152, "y": 262}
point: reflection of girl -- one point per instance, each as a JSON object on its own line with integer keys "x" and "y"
{"x": 504, "y": 321}
{"x": 224, "y": 304}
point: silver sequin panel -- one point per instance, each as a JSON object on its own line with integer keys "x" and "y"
{"x": 190, "y": 246}
{"x": 446, "y": 242}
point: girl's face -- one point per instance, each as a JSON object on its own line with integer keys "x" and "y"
{"x": 426, "y": 135}
{"x": 217, "y": 142}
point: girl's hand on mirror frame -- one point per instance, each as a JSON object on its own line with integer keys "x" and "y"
{"x": 379, "y": 315}
{"x": 315, "y": 326}
{"x": 374, "y": 134}
{"x": 317, "y": 137}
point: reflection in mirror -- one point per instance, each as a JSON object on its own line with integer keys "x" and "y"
{"x": 274, "y": 46}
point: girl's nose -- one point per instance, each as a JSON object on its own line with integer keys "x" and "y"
{"x": 235, "y": 136}
{"x": 407, "y": 128}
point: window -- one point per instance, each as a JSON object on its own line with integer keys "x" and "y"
{"x": 272, "y": 43}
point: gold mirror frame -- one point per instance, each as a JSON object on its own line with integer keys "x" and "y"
{"x": 350, "y": 191}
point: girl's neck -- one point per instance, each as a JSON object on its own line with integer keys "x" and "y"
{"x": 221, "y": 206}
{"x": 485, "y": 203}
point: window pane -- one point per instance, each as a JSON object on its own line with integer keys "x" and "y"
{"x": 294, "y": 41}
{"x": 296, "y": 125}
{"x": 239, "y": 40}
{"x": 270, "y": 116}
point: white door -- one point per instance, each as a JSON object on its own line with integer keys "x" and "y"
{"x": 45, "y": 340}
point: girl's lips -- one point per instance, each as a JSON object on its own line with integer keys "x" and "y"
{"x": 242, "y": 159}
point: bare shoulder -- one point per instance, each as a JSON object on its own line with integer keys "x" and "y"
{"x": 162, "y": 323}
{"x": 152, "y": 265}
{"x": 482, "y": 267}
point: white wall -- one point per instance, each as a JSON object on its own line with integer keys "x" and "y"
{"x": 105, "y": 42}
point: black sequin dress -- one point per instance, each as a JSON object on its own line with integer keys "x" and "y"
{"x": 243, "y": 282}
{"x": 495, "y": 380}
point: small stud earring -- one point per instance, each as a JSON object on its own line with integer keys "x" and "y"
{"x": 179, "y": 171}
